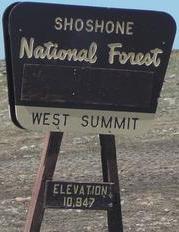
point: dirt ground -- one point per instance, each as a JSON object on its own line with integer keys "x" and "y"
{"x": 148, "y": 168}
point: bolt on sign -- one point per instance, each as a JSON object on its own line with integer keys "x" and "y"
{"x": 89, "y": 69}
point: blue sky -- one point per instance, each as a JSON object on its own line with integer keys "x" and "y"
{"x": 169, "y": 6}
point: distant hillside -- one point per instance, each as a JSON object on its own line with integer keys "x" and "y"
{"x": 173, "y": 67}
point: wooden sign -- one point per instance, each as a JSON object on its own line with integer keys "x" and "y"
{"x": 69, "y": 195}
{"x": 89, "y": 69}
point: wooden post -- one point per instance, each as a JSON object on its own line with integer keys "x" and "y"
{"x": 110, "y": 174}
{"x": 45, "y": 172}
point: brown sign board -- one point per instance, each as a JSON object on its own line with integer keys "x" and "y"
{"x": 101, "y": 67}
{"x": 70, "y": 195}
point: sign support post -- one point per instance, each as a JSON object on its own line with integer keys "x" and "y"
{"x": 45, "y": 172}
{"x": 110, "y": 174}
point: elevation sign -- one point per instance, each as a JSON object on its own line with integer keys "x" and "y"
{"x": 69, "y": 195}
{"x": 90, "y": 69}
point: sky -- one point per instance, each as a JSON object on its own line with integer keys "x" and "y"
{"x": 169, "y": 6}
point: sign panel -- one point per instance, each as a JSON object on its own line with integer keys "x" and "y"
{"x": 72, "y": 66}
{"x": 69, "y": 195}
